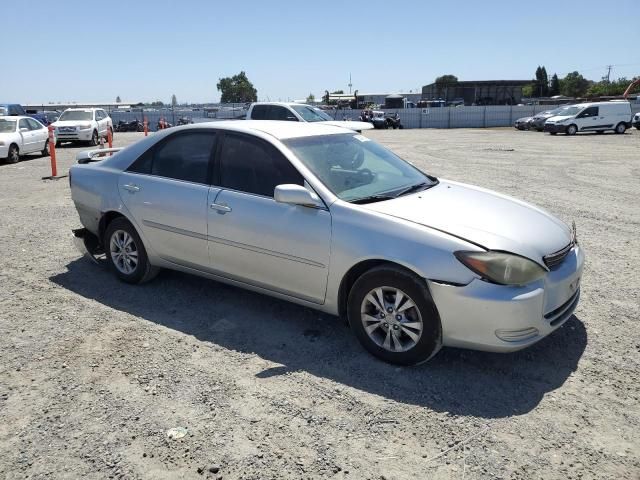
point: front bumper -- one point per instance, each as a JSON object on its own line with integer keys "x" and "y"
{"x": 498, "y": 318}
{"x": 78, "y": 135}
{"x": 555, "y": 128}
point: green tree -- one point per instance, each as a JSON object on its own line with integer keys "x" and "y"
{"x": 574, "y": 85}
{"x": 604, "y": 88}
{"x": 542, "y": 82}
{"x": 118, "y": 99}
{"x": 444, "y": 81}
{"x": 554, "y": 88}
{"x": 157, "y": 103}
{"x": 530, "y": 90}
{"x": 311, "y": 98}
{"x": 237, "y": 89}
{"x": 174, "y": 100}
{"x": 338, "y": 92}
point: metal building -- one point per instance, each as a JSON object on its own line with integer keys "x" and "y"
{"x": 482, "y": 92}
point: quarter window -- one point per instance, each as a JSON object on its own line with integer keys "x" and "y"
{"x": 252, "y": 166}
{"x": 182, "y": 157}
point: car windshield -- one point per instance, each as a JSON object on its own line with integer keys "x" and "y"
{"x": 76, "y": 115}
{"x": 3, "y": 110}
{"x": 310, "y": 114}
{"x": 558, "y": 111}
{"x": 569, "y": 111}
{"x": 7, "y": 125}
{"x": 357, "y": 169}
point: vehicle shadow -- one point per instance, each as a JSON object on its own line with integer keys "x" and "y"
{"x": 458, "y": 381}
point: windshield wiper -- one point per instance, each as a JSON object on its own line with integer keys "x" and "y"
{"x": 413, "y": 188}
{"x": 372, "y": 199}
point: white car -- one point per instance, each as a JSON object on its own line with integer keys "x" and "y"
{"x": 21, "y": 135}
{"x": 83, "y": 124}
{"x": 299, "y": 112}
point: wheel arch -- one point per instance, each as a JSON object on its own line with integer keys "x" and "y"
{"x": 355, "y": 272}
{"x": 108, "y": 217}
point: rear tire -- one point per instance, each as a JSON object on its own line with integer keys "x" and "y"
{"x": 621, "y": 128}
{"x": 397, "y": 333}
{"x": 14, "y": 154}
{"x": 126, "y": 254}
{"x": 572, "y": 129}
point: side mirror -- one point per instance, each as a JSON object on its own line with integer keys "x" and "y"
{"x": 296, "y": 195}
{"x": 23, "y": 130}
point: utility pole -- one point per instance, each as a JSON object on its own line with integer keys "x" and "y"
{"x": 608, "y": 73}
{"x": 350, "y": 84}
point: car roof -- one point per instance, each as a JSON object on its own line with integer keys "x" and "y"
{"x": 88, "y": 109}
{"x": 275, "y": 128}
{"x": 284, "y": 104}
{"x": 15, "y": 117}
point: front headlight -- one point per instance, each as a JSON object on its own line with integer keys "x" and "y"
{"x": 85, "y": 127}
{"x": 502, "y": 268}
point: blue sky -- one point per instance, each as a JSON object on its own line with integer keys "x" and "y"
{"x": 69, "y": 50}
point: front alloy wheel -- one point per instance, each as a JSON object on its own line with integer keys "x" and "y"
{"x": 392, "y": 313}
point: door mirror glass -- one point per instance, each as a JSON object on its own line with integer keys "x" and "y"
{"x": 24, "y": 129}
{"x": 296, "y": 195}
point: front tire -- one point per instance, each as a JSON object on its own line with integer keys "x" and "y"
{"x": 572, "y": 129}
{"x": 14, "y": 154}
{"x": 392, "y": 314}
{"x": 45, "y": 150}
{"x": 94, "y": 139}
{"x": 621, "y": 128}
{"x": 126, "y": 254}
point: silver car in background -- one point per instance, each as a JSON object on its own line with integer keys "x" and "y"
{"x": 327, "y": 218}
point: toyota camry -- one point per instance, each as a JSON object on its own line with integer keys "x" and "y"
{"x": 327, "y": 218}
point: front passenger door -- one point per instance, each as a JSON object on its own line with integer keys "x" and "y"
{"x": 253, "y": 238}
{"x": 587, "y": 120}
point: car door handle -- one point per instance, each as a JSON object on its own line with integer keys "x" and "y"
{"x": 132, "y": 188}
{"x": 221, "y": 209}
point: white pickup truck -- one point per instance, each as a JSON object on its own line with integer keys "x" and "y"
{"x": 299, "y": 112}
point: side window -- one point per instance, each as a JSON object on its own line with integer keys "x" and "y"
{"x": 98, "y": 115}
{"x": 259, "y": 112}
{"x": 24, "y": 124}
{"x": 253, "y": 166}
{"x": 182, "y": 157}
{"x": 281, "y": 113}
{"x": 33, "y": 125}
{"x": 589, "y": 112}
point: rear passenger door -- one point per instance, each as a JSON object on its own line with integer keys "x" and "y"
{"x": 253, "y": 238}
{"x": 166, "y": 191}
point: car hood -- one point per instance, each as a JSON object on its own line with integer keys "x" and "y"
{"x": 523, "y": 119}
{"x": 558, "y": 118}
{"x": 70, "y": 123}
{"x": 351, "y": 125}
{"x": 488, "y": 219}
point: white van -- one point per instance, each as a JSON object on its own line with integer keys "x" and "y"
{"x": 591, "y": 117}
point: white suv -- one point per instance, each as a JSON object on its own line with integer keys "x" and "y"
{"x": 83, "y": 124}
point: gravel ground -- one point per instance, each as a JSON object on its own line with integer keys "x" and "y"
{"x": 94, "y": 373}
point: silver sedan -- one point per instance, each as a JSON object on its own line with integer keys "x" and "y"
{"x": 327, "y": 218}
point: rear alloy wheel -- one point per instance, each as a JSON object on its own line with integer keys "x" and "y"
{"x": 392, "y": 314}
{"x": 14, "y": 154}
{"x": 621, "y": 128}
{"x": 572, "y": 129}
{"x": 45, "y": 150}
{"x": 126, "y": 253}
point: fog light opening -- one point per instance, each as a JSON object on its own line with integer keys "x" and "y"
{"x": 517, "y": 335}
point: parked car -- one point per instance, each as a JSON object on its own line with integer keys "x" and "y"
{"x": 636, "y": 121}
{"x": 522, "y": 123}
{"x": 11, "y": 109}
{"x": 538, "y": 120}
{"x": 83, "y": 124}
{"x": 20, "y": 135}
{"x": 298, "y": 112}
{"x": 591, "y": 117}
{"x": 414, "y": 262}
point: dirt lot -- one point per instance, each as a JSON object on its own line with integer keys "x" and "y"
{"x": 93, "y": 372}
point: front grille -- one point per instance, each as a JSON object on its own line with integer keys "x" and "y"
{"x": 67, "y": 129}
{"x": 553, "y": 260}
